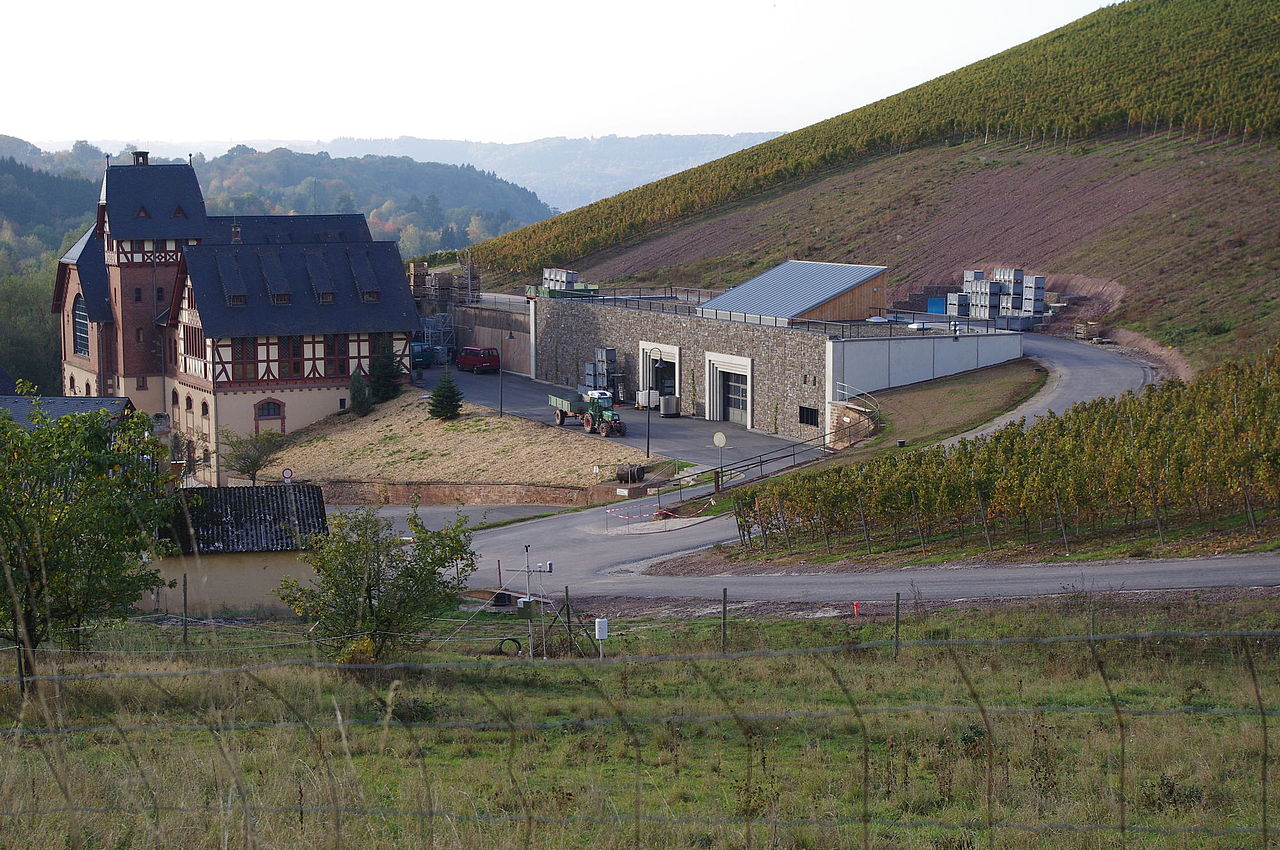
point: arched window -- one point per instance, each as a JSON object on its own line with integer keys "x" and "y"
{"x": 173, "y": 398}
{"x": 204, "y": 408}
{"x": 80, "y": 326}
{"x": 71, "y": 382}
{"x": 189, "y": 403}
{"x": 268, "y": 414}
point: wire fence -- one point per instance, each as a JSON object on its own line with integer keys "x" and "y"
{"x": 1133, "y": 737}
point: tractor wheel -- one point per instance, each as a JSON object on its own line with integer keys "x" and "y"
{"x": 619, "y": 429}
{"x": 559, "y": 414}
{"x": 588, "y": 424}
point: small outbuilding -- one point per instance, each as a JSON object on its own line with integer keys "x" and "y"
{"x": 236, "y": 544}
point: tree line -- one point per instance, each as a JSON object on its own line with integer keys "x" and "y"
{"x": 1204, "y": 451}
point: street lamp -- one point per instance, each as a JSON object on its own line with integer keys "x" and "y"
{"x": 654, "y": 366}
{"x": 501, "y": 360}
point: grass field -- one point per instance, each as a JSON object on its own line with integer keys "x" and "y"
{"x": 806, "y": 734}
{"x": 934, "y": 410}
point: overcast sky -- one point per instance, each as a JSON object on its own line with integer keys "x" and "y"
{"x": 483, "y": 70}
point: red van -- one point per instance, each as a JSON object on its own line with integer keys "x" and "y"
{"x": 474, "y": 358}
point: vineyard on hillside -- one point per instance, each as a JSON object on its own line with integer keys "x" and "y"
{"x": 1204, "y": 68}
{"x": 1199, "y": 452}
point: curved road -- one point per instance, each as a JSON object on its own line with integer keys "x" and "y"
{"x": 598, "y": 554}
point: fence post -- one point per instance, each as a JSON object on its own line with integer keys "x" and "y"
{"x": 897, "y": 622}
{"x": 724, "y": 620}
{"x": 184, "y": 609}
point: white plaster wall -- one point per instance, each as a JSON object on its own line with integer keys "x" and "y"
{"x": 879, "y": 363}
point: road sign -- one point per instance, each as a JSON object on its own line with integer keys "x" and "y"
{"x": 287, "y": 474}
{"x": 719, "y": 439}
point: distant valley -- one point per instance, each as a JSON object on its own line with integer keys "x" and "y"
{"x": 565, "y": 173}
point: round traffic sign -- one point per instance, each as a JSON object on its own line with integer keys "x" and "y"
{"x": 287, "y": 474}
{"x": 719, "y": 439}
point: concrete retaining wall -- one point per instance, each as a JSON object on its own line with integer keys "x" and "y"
{"x": 440, "y": 493}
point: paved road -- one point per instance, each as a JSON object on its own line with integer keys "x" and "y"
{"x": 595, "y": 552}
{"x": 1078, "y": 371}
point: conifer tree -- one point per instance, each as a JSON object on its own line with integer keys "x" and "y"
{"x": 446, "y": 399}
{"x": 384, "y": 373}
{"x": 361, "y": 402}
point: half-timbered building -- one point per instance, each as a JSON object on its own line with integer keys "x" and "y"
{"x": 248, "y": 323}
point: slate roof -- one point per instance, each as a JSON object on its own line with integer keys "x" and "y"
{"x": 153, "y": 202}
{"x": 792, "y": 288}
{"x": 283, "y": 229}
{"x": 87, "y": 256}
{"x": 7, "y": 385}
{"x": 249, "y": 519}
{"x": 21, "y": 407}
{"x": 303, "y": 272}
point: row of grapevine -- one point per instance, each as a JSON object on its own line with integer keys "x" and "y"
{"x": 1177, "y": 452}
{"x": 1203, "y": 65}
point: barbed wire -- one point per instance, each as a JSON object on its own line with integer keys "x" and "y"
{"x": 428, "y": 666}
{"x": 623, "y": 817}
{"x": 656, "y": 720}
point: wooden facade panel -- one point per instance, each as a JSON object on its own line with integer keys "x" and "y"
{"x": 861, "y": 302}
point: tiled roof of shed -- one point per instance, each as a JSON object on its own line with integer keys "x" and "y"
{"x": 792, "y": 288}
{"x": 250, "y": 519}
{"x": 302, "y": 272}
{"x": 153, "y": 202}
{"x": 21, "y": 407}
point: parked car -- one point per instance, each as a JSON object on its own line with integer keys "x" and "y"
{"x": 421, "y": 355}
{"x": 474, "y": 358}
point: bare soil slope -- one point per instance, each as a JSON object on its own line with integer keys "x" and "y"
{"x": 400, "y": 442}
{"x": 1173, "y": 237}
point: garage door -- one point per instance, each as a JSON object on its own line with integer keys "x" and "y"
{"x": 733, "y": 391}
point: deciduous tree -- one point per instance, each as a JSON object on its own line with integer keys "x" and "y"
{"x": 81, "y": 500}
{"x": 370, "y": 584}
{"x": 249, "y": 454}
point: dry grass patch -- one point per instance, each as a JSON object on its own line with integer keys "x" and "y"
{"x": 400, "y": 442}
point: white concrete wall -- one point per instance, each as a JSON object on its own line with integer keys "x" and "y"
{"x": 879, "y": 363}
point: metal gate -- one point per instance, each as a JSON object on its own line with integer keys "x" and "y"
{"x": 733, "y": 392}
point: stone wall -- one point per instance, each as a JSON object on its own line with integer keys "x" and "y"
{"x": 787, "y": 366}
{"x": 438, "y": 493}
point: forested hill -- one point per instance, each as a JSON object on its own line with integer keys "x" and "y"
{"x": 397, "y": 193}
{"x": 426, "y": 205}
{"x": 566, "y": 173}
{"x": 1209, "y": 66}
{"x": 36, "y": 211}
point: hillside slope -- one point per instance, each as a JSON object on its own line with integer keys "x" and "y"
{"x": 1204, "y": 65}
{"x": 1186, "y": 228}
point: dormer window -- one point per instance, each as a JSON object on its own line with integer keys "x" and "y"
{"x": 236, "y": 300}
{"x": 326, "y": 297}
{"x": 280, "y": 298}
{"x": 142, "y": 213}
{"x": 178, "y": 212}
{"x": 370, "y": 296}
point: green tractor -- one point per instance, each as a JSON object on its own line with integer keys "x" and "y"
{"x": 596, "y": 413}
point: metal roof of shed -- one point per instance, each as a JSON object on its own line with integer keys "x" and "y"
{"x": 792, "y": 288}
